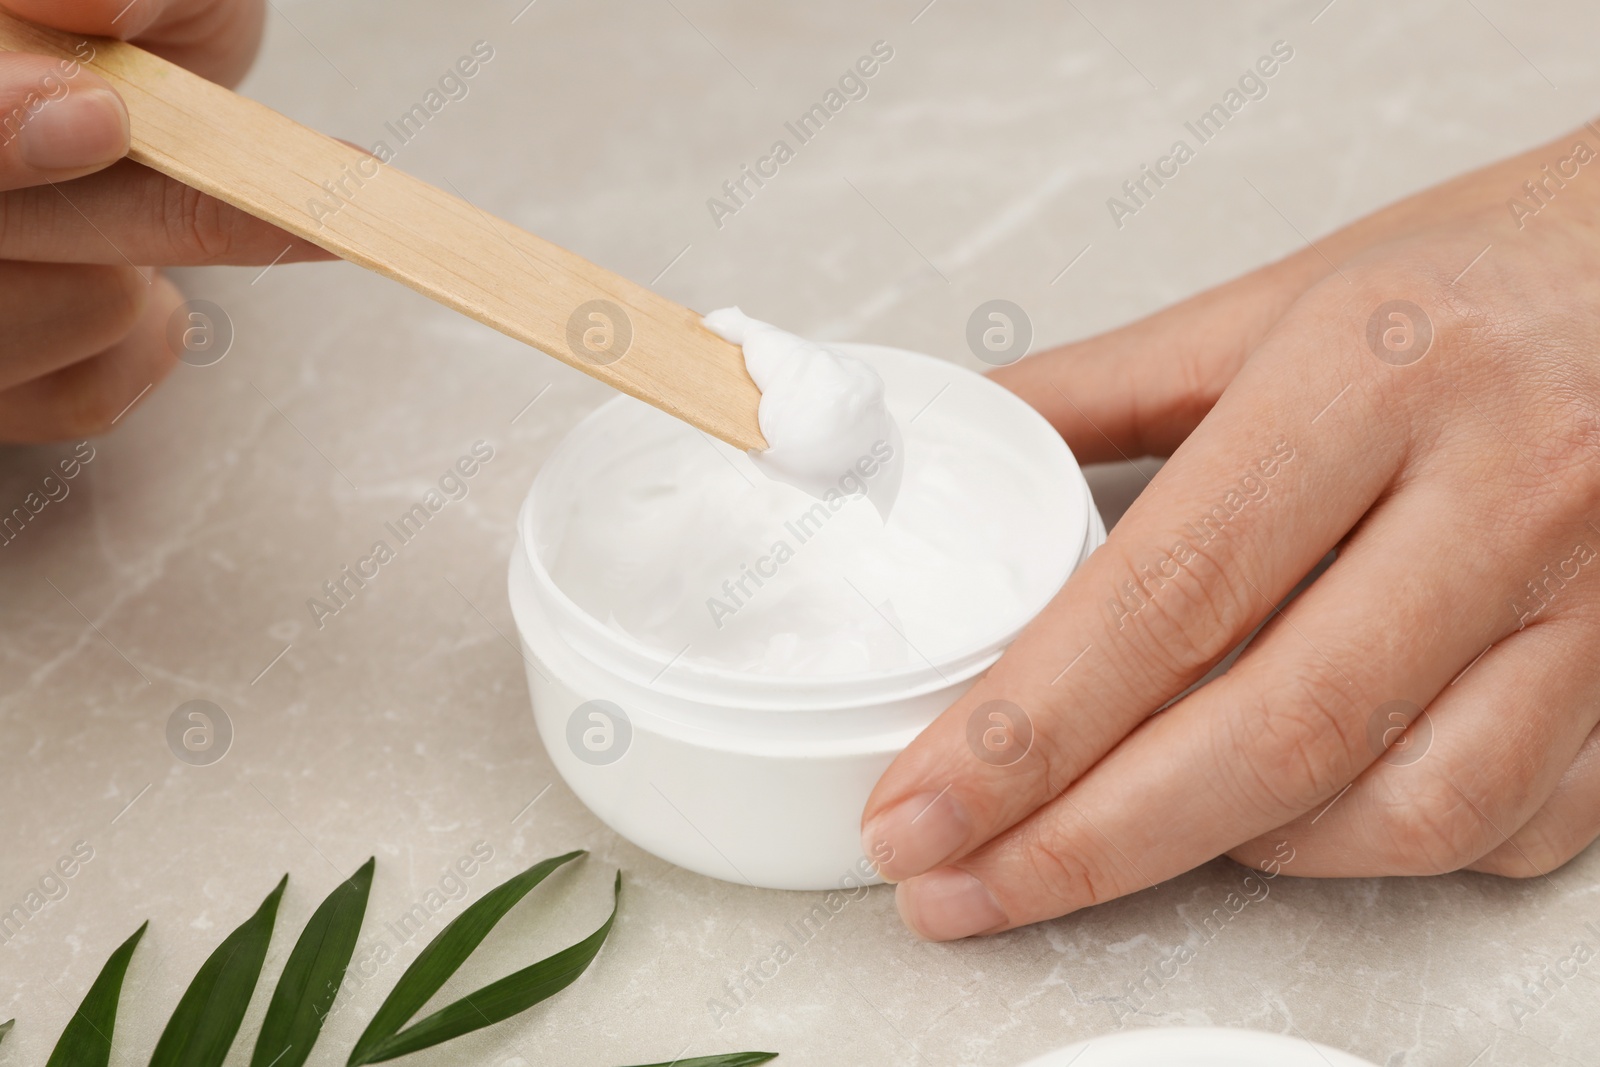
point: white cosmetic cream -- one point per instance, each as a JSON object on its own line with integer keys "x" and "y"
{"x": 822, "y": 410}
{"x": 678, "y": 542}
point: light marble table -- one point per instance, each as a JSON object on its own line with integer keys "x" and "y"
{"x": 978, "y": 166}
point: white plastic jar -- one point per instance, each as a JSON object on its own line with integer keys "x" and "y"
{"x": 750, "y": 776}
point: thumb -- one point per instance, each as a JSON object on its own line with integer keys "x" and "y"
{"x": 58, "y": 121}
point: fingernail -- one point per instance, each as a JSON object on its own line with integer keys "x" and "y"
{"x": 947, "y": 904}
{"x": 916, "y": 835}
{"x": 85, "y": 128}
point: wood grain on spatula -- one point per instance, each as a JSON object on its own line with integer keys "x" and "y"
{"x": 248, "y": 155}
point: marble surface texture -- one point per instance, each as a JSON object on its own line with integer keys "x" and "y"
{"x": 977, "y": 167}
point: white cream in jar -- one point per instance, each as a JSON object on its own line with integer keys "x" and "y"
{"x": 679, "y": 542}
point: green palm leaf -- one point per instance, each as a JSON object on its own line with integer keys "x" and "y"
{"x": 207, "y": 1018}
{"x": 444, "y": 955}
{"x": 311, "y": 979}
{"x": 500, "y": 1000}
{"x": 86, "y": 1042}
{"x": 5, "y": 1028}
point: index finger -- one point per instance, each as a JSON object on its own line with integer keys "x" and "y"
{"x": 129, "y": 214}
{"x": 1244, "y": 509}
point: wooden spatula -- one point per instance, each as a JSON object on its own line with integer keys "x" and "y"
{"x": 248, "y": 155}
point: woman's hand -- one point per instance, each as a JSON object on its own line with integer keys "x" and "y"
{"x": 83, "y": 314}
{"x": 1429, "y": 407}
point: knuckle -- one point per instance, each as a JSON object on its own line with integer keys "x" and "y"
{"x": 1062, "y": 872}
{"x": 1429, "y": 825}
{"x": 1535, "y": 850}
{"x": 1352, "y": 301}
{"x": 197, "y": 225}
{"x": 1566, "y": 449}
{"x": 1548, "y": 405}
{"x": 1309, "y": 726}
{"x": 1180, "y": 626}
{"x": 1374, "y": 283}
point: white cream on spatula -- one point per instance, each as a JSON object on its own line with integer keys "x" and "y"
{"x": 822, "y": 412}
